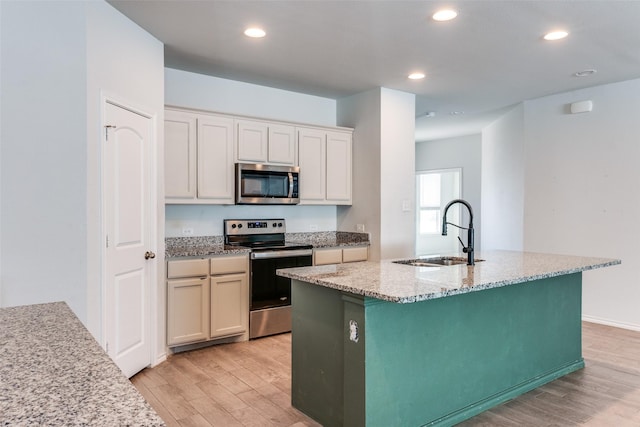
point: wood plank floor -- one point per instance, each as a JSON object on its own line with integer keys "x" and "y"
{"x": 248, "y": 384}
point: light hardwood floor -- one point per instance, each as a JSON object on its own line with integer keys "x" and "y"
{"x": 248, "y": 384}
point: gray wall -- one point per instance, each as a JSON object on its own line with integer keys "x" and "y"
{"x": 565, "y": 183}
{"x": 58, "y": 59}
{"x": 503, "y": 182}
{"x": 463, "y": 152}
{"x": 383, "y": 170}
{"x": 581, "y": 191}
{"x": 44, "y": 151}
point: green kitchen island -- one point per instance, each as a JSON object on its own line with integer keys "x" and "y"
{"x": 386, "y": 344}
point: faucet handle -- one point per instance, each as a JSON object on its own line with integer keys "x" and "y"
{"x": 464, "y": 248}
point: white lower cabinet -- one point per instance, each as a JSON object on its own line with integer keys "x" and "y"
{"x": 339, "y": 255}
{"x": 187, "y": 310}
{"x": 213, "y": 304}
{"x": 228, "y": 297}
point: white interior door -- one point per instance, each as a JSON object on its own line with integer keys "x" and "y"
{"x": 129, "y": 259}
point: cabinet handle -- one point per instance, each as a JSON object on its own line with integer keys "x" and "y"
{"x": 149, "y": 255}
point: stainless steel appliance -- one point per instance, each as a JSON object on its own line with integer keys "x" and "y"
{"x": 258, "y": 184}
{"x": 270, "y": 295}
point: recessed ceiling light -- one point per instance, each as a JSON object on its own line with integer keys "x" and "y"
{"x": 254, "y": 32}
{"x": 456, "y": 113}
{"x": 444, "y": 15}
{"x": 556, "y": 35}
{"x": 416, "y": 76}
{"x": 585, "y": 73}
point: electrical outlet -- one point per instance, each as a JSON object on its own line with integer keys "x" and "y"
{"x": 406, "y": 206}
{"x": 187, "y": 231}
{"x": 313, "y": 227}
{"x": 360, "y": 228}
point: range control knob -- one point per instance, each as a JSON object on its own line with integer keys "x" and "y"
{"x": 279, "y": 224}
{"x": 233, "y": 226}
{"x": 239, "y": 225}
{"x": 275, "y": 225}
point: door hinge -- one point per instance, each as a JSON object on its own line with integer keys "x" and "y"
{"x": 106, "y": 131}
{"x": 107, "y": 241}
{"x": 106, "y": 347}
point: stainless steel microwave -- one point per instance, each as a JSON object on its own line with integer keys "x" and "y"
{"x": 258, "y": 184}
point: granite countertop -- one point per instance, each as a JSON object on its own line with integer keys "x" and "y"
{"x": 400, "y": 283}
{"x": 176, "y": 247}
{"x": 54, "y": 373}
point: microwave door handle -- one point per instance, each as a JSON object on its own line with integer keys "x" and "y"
{"x": 290, "y": 185}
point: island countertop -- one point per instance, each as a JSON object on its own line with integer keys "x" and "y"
{"x": 53, "y": 372}
{"x": 389, "y": 281}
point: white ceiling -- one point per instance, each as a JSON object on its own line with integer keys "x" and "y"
{"x": 489, "y": 58}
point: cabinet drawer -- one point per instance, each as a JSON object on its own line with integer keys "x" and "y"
{"x": 327, "y": 256}
{"x": 187, "y": 268}
{"x": 360, "y": 253}
{"x": 229, "y": 264}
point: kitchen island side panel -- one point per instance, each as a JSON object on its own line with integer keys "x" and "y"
{"x": 441, "y": 361}
{"x": 317, "y": 359}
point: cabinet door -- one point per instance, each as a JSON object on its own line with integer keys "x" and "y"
{"x": 338, "y": 154}
{"x": 215, "y": 159}
{"x": 229, "y": 264}
{"x": 252, "y": 141}
{"x": 327, "y": 256}
{"x": 282, "y": 145}
{"x": 187, "y": 310}
{"x": 179, "y": 155}
{"x": 311, "y": 159}
{"x": 229, "y": 304}
{"x": 187, "y": 268}
{"x": 360, "y": 253}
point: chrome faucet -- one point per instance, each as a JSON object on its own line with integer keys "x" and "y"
{"x": 469, "y": 248}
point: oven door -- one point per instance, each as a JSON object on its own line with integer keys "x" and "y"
{"x": 267, "y": 289}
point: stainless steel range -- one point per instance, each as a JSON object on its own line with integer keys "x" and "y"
{"x": 270, "y": 295}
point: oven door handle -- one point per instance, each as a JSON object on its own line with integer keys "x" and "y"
{"x": 290, "y": 185}
{"x": 281, "y": 254}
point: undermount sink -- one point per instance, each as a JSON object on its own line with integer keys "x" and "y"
{"x": 435, "y": 261}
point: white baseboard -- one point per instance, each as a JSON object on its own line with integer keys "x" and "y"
{"x": 159, "y": 359}
{"x": 613, "y": 323}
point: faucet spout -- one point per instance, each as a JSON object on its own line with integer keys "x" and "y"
{"x": 469, "y": 248}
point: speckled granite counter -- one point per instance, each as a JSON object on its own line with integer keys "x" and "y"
{"x": 393, "y": 282}
{"x": 54, "y": 373}
{"x": 329, "y": 239}
{"x": 214, "y": 245}
{"x": 199, "y": 246}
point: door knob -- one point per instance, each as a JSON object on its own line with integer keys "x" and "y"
{"x": 149, "y": 255}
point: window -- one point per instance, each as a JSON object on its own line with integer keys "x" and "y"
{"x": 434, "y": 189}
{"x": 429, "y": 200}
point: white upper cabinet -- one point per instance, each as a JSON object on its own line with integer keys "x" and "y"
{"x": 311, "y": 159}
{"x": 201, "y": 150}
{"x": 264, "y": 142}
{"x": 198, "y": 158}
{"x": 215, "y": 159}
{"x": 338, "y": 153}
{"x": 252, "y": 141}
{"x": 180, "y": 155}
{"x": 324, "y": 158}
